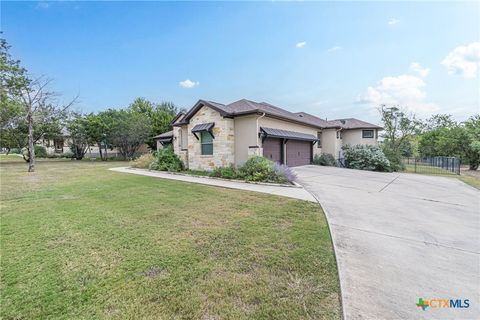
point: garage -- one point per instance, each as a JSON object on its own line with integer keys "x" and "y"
{"x": 299, "y": 153}
{"x": 288, "y": 147}
{"x": 272, "y": 149}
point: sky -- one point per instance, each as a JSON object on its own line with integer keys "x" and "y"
{"x": 330, "y": 59}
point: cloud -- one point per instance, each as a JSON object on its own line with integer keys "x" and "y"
{"x": 393, "y": 21}
{"x": 301, "y": 44}
{"x": 332, "y": 49}
{"x": 189, "y": 84}
{"x": 416, "y": 67}
{"x": 407, "y": 91}
{"x": 42, "y": 5}
{"x": 464, "y": 60}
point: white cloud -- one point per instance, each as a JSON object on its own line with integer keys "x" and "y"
{"x": 464, "y": 60}
{"x": 301, "y": 44}
{"x": 393, "y": 21}
{"x": 332, "y": 49}
{"x": 42, "y": 5}
{"x": 189, "y": 84}
{"x": 416, "y": 67}
{"x": 407, "y": 91}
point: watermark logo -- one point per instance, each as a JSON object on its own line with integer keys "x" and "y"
{"x": 425, "y": 304}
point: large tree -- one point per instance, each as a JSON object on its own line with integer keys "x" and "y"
{"x": 399, "y": 130}
{"x": 128, "y": 130}
{"x": 29, "y": 109}
{"x": 160, "y": 115}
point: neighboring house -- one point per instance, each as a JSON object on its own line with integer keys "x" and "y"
{"x": 212, "y": 134}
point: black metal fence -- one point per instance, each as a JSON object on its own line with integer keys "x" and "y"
{"x": 433, "y": 165}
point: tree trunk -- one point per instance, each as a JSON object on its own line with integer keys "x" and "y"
{"x": 31, "y": 149}
{"x": 100, "y": 150}
{"x": 8, "y": 151}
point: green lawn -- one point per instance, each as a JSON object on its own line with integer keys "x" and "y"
{"x": 79, "y": 241}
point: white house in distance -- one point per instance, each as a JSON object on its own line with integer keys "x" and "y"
{"x": 212, "y": 134}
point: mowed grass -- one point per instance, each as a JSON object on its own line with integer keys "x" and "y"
{"x": 429, "y": 170}
{"x": 81, "y": 242}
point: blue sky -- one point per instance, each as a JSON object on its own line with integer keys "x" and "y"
{"x": 330, "y": 59}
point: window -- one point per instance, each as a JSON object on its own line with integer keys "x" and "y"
{"x": 339, "y": 134}
{"x": 206, "y": 140}
{"x": 367, "y": 133}
{"x": 319, "y": 137}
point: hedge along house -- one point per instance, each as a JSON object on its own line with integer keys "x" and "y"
{"x": 213, "y": 135}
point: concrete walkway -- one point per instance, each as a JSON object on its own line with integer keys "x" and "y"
{"x": 398, "y": 238}
{"x": 291, "y": 192}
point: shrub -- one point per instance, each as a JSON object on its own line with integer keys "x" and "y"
{"x": 325, "y": 159}
{"x": 15, "y": 151}
{"x": 284, "y": 171}
{"x": 229, "y": 172}
{"x": 67, "y": 155}
{"x": 40, "y": 151}
{"x": 167, "y": 160}
{"x": 261, "y": 169}
{"x": 365, "y": 157}
{"x": 395, "y": 158}
{"x": 143, "y": 161}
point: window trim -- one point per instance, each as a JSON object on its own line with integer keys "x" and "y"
{"x": 368, "y": 130}
{"x": 203, "y": 143}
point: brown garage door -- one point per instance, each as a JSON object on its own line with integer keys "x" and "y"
{"x": 272, "y": 149}
{"x": 299, "y": 153}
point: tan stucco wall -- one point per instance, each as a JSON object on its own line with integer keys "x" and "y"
{"x": 223, "y": 144}
{"x": 354, "y": 137}
{"x": 246, "y": 136}
{"x": 330, "y": 143}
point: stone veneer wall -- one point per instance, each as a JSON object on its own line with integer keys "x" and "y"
{"x": 223, "y": 143}
{"x": 182, "y": 154}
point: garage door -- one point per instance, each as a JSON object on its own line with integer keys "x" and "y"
{"x": 299, "y": 153}
{"x": 272, "y": 149}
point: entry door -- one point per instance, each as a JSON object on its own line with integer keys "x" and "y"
{"x": 272, "y": 149}
{"x": 299, "y": 153}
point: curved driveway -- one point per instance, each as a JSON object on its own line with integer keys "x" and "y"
{"x": 398, "y": 238}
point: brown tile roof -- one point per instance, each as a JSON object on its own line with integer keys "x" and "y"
{"x": 352, "y": 123}
{"x": 244, "y": 106}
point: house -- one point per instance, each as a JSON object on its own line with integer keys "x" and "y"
{"x": 212, "y": 134}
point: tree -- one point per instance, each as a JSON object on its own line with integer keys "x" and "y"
{"x": 160, "y": 115}
{"x": 79, "y": 142}
{"x": 129, "y": 129}
{"x": 28, "y": 106}
{"x": 399, "y": 130}
{"x": 97, "y": 131}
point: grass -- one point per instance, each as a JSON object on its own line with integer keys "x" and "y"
{"x": 79, "y": 241}
{"x": 428, "y": 170}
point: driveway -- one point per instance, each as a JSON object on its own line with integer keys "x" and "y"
{"x": 398, "y": 238}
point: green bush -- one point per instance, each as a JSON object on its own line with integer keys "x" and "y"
{"x": 40, "y": 151}
{"x": 15, "y": 151}
{"x": 365, "y": 157}
{"x": 143, "y": 161}
{"x": 325, "y": 159}
{"x": 66, "y": 155}
{"x": 229, "y": 172}
{"x": 394, "y": 157}
{"x": 167, "y": 160}
{"x": 260, "y": 169}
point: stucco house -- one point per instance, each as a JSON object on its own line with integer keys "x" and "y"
{"x": 212, "y": 134}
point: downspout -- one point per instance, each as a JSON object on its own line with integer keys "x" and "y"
{"x": 258, "y": 129}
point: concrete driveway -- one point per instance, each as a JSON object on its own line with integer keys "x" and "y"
{"x": 398, "y": 238}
